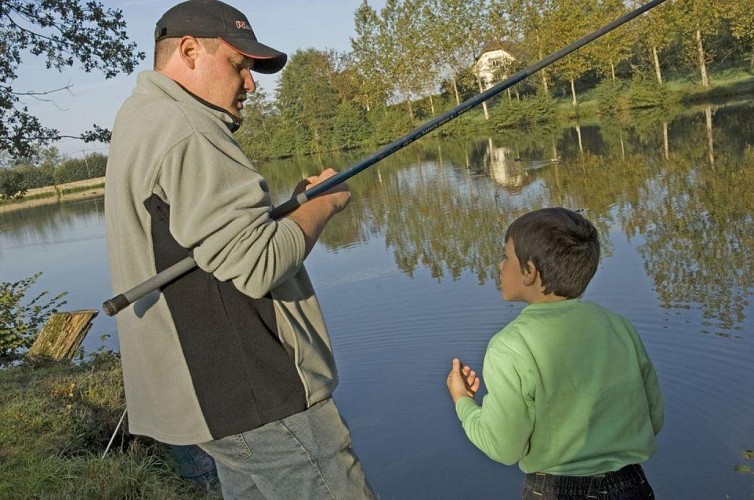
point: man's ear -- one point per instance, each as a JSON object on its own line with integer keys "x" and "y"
{"x": 530, "y": 276}
{"x": 188, "y": 50}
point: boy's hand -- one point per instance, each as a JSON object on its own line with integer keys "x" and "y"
{"x": 462, "y": 381}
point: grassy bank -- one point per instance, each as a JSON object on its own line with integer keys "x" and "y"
{"x": 56, "y": 419}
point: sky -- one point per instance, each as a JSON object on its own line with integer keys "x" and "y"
{"x": 286, "y": 25}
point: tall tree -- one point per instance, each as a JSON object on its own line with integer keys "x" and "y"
{"x": 656, "y": 32}
{"x": 573, "y": 19}
{"x": 65, "y": 33}
{"x": 699, "y": 20}
{"x": 740, "y": 15}
{"x": 615, "y": 47}
{"x": 370, "y": 60}
{"x": 307, "y": 100}
{"x": 459, "y": 31}
{"x": 532, "y": 20}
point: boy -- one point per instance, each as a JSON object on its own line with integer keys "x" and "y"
{"x": 572, "y": 395}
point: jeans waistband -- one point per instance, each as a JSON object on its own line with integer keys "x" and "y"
{"x": 584, "y": 485}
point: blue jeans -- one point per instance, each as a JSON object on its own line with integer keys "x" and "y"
{"x": 628, "y": 483}
{"x": 306, "y": 455}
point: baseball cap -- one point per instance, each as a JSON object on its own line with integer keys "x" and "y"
{"x": 215, "y": 19}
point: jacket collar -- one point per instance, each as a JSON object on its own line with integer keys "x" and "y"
{"x": 180, "y": 93}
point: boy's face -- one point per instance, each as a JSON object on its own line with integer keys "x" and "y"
{"x": 512, "y": 280}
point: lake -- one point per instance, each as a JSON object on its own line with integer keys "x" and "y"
{"x": 407, "y": 279}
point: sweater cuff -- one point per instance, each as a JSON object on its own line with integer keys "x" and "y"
{"x": 465, "y": 407}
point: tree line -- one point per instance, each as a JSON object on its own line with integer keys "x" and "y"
{"x": 414, "y": 59}
{"x": 409, "y": 61}
{"x": 44, "y": 168}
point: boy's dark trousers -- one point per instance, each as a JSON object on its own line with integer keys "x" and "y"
{"x": 628, "y": 483}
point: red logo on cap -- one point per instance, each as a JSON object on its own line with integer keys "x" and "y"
{"x": 242, "y": 25}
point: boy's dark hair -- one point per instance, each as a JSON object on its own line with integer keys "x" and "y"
{"x": 563, "y": 245}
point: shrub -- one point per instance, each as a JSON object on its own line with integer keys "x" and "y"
{"x": 11, "y": 184}
{"x": 79, "y": 169}
{"x": 608, "y": 94}
{"x": 645, "y": 92}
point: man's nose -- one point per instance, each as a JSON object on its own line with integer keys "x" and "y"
{"x": 249, "y": 84}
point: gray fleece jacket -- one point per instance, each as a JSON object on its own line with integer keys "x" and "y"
{"x": 239, "y": 341}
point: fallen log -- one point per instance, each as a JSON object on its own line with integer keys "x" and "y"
{"x": 62, "y": 334}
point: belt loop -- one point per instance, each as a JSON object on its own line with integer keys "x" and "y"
{"x": 595, "y": 485}
{"x": 539, "y": 483}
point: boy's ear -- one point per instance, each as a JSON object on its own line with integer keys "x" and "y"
{"x": 530, "y": 276}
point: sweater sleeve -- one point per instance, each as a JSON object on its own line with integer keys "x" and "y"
{"x": 219, "y": 208}
{"x": 651, "y": 382}
{"x": 502, "y": 425}
{"x": 654, "y": 395}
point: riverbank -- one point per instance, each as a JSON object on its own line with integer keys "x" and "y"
{"x": 89, "y": 188}
{"x": 55, "y": 423}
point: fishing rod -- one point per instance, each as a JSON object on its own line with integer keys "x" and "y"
{"x": 120, "y": 302}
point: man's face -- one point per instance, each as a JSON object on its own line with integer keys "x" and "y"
{"x": 225, "y": 78}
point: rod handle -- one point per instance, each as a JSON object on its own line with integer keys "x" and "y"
{"x": 115, "y": 305}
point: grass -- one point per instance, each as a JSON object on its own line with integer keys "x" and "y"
{"x": 55, "y": 423}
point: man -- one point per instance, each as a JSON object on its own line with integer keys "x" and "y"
{"x": 233, "y": 356}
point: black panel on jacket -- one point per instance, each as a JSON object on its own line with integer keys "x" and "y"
{"x": 241, "y": 373}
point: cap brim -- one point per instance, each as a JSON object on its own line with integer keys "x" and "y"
{"x": 266, "y": 59}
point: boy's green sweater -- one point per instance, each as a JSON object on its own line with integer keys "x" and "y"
{"x": 570, "y": 391}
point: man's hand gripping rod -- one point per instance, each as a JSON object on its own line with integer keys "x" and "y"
{"x": 120, "y": 302}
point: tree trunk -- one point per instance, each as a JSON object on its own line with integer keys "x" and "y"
{"x": 702, "y": 64}
{"x": 432, "y": 104}
{"x": 455, "y": 89}
{"x": 612, "y": 69}
{"x": 484, "y": 103}
{"x": 542, "y": 72}
{"x": 573, "y": 93}
{"x": 410, "y": 108}
{"x": 656, "y": 60}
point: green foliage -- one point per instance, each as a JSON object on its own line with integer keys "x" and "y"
{"x": 79, "y": 169}
{"x": 62, "y": 32}
{"x": 307, "y": 100}
{"x": 11, "y": 184}
{"x": 646, "y": 92}
{"x": 608, "y": 94}
{"x": 20, "y": 318}
{"x": 36, "y": 177}
{"x": 527, "y": 112}
{"x": 351, "y": 126}
{"x": 388, "y": 124}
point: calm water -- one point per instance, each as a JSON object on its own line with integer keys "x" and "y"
{"x": 407, "y": 280}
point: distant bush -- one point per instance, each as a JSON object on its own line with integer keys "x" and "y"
{"x": 540, "y": 108}
{"x": 37, "y": 177}
{"x": 609, "y": 96}
{"x": 646, "y": 92}
{"x": 11, "y": 184}
{"x": 79, "y": 169}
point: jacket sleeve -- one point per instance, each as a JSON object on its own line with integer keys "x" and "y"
{"x": 502, "y": 425}
{"x": 219, "y": 208}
